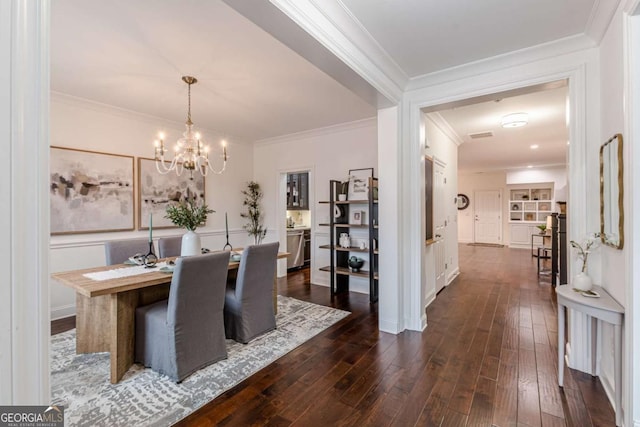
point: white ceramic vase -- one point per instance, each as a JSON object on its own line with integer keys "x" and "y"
{"x": 582, "y": 282}
{"x": 342, "y": 197}
{"x": 190, "y": 244}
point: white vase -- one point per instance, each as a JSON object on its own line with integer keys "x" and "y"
{"x": 342, "y": 197}
{"x": 190, "y": 244}
{"x": 582, "y": 282}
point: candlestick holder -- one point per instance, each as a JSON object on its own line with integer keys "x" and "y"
{"x": 150, "y": 259}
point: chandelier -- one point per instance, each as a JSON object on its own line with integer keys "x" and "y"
{"x": 189, "y": 152}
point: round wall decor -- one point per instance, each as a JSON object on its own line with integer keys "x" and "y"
{"x": 463, "y": 202}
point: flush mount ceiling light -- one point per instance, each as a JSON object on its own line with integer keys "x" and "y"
{"x": 190, "y": 153}
{"x": 534, "y": 146}
{"x": 515, "y": 120}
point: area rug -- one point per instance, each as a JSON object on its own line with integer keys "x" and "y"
{"x": 146, "y": 398}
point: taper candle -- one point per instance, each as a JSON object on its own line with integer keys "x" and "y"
{"x": 150, "y": 228}
{"x": 226, "y": 224}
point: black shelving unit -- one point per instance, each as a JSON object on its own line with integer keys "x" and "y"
{"x": 339, "y": 267}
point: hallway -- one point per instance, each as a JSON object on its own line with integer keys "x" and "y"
{"x": 488, "y": 357}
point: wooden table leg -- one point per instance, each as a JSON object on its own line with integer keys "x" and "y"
{"x": 561, "y": 314}
{"x": 93, "y": 324}
{"x": 123, "y": 312}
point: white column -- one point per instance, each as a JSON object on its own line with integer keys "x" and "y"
{"x": 390, "y": 292}
{"x": 24, "y": 169}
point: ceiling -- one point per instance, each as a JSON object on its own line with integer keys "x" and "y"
{"x": 510, "y": 148}
{"x": 423, "y": 36}
{"x": 132, "y": 54}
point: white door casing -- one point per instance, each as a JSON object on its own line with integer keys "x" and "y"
{"x": 439, "y": 246}
{"x": 488, "y": 216}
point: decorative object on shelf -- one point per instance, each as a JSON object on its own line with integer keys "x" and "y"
{"x": 90, "y": 192}
{"x": 463, "y": 202}
{"x": 252, "y": 196}
{"x": 362, "y": 245}
{"x": 156, "y": 191}
{"x": 345, "y": 240}
{"x": 543, "y": 229}
{"x": 515, "y": 207}
{"x": 190, "y": 152}
{"x": 582, "y": 281}
{"x": 343, "y": 188}
{"x": 357, "y": 217}
{"x": 355, "y": 264}
{"x": 359, "y": 183}
{"x": 187, "y": 214}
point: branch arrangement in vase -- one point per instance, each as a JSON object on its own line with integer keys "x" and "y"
{"x": 585, "y": 248}
{"x": 252, "y": 196}
{"x": 187, "y": 214}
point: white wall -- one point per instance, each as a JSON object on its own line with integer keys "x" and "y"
{"x": 327, "y": 153}
{"x": 614, "y": 270}
{"x": 443, "y": 148}
{"x": 81, "y": 124}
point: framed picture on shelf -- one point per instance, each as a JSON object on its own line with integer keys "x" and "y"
{"x": 357, "y": 217}
{"x": 156, "y": 191}
{"x": 359, "y": 183}
{"x": 90, "y": 192}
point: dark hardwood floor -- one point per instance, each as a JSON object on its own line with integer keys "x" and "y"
{"x": 487, "y": 357}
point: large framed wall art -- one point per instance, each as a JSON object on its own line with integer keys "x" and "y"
{"x": 90, "y": 192}
{"x": 156, "y": 191}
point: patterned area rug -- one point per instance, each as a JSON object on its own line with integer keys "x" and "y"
{"x": 143, "y": 397}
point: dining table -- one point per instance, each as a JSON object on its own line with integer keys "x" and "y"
{"x": 106, "y": 302}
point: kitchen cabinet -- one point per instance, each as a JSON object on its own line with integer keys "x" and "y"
{"x": 298, "y": 191}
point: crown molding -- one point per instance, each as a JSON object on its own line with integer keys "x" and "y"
{"x": 519, "y": 57}
{"x": 444, "y": 126}
{"x": 328, "y": 130}
{"x": 600, "y": 18}
{"x": 99, "y": 107}
{"x": 331, "y": 24}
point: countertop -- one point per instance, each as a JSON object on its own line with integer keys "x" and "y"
{"x": 298, "y": 228}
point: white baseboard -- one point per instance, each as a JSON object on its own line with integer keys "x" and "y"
{"x": 63, "y": 311}
{"x": 465, "y": 241}
{"x": 429, "y": 298}
{"x": 636, "y": 423}
{"x": 608, "y": 389}
{"x": 455, "y": 273}
{"x": 389, "y": 327}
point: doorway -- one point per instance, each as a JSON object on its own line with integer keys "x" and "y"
{"x": 488, "y": 217}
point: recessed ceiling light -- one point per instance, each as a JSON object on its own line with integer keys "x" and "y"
{"x": 515, "y": 120}
{"x": 530, "y": 166}
{"x": 534, "y": 146}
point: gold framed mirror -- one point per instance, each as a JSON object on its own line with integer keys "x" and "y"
{"x": 611, "y": 193}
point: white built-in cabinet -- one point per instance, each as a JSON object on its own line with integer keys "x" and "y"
{"x": 529, "y": 206}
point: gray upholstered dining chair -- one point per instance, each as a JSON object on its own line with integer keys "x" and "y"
{"x": 178, "y": 336}
{"x": 169, "y": 246}
{"x": 118, "y": 251}
{"x": 248, "y": 307}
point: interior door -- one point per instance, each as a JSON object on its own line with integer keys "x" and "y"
{"x": 439, "y": 225}
{"x": 488, "y": 217}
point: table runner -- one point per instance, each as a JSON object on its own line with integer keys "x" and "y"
{"x": 118, "y": 273}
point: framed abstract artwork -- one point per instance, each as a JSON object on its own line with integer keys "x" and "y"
{"x": 359, "y": 183}
{"x": 90, "y": 192}
{"x": 156, "y": 191}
